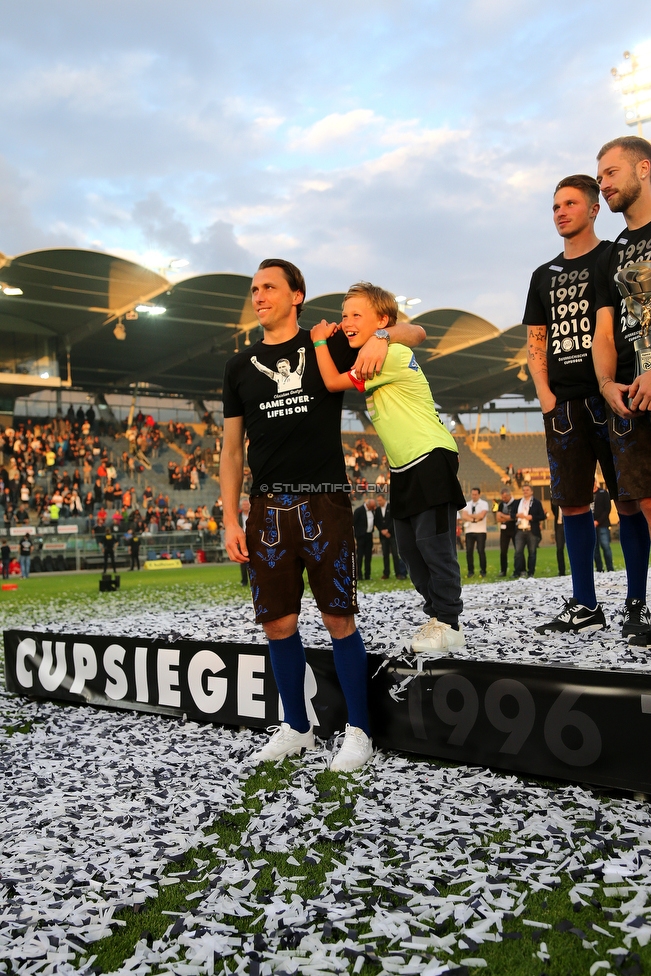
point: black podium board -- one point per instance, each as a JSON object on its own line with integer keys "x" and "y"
{"x": 574, "y": 724}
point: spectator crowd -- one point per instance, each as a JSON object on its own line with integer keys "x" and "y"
{"x": 59, "y": 469}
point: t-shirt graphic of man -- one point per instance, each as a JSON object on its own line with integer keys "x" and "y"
{"x": 283, "y": 376}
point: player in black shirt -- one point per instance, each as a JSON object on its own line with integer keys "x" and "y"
{"x": 560, "y": 317}
{"x": 624, "y": 174}
{"x": 301, "y": 516}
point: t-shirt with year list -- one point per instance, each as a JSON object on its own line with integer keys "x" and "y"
{"x": 293, "y": 423}
{"x": 630, "y": 247}
{"x": 562, "y": 297}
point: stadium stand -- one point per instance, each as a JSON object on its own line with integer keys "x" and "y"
{"x": 473, "y": 472}
{"x": 520, "y": 450}
{"x": 61, "y": 475}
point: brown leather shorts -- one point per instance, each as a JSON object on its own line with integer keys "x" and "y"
{"x": 286, "y": 534}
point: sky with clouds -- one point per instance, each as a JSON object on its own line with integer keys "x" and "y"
{"x": 414, "y": 143}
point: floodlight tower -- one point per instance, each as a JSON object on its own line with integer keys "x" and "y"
{"x": 406, "y": 304}
{"x": 633, "y": 80}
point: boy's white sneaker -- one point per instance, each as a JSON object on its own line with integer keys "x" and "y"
{"x": 436, "y": 636}
{"x": 285, "y": 741}
{"x": 356, "y": 749}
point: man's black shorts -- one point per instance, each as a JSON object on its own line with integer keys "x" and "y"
{"x": 630, "y": 441}
{"x": 577, "y": 437}
{"x": 286, "y": 534}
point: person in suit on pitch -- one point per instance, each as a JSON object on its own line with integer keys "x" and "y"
{"x": 363, "y": 525}
{"x": 384, "y": 525}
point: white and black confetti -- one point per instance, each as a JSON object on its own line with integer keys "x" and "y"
{"x": 99, "y": 806}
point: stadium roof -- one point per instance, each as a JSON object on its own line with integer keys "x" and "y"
{"x": 180, "y": 347}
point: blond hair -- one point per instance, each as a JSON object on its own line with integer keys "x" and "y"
{"x": 383, "y": 302}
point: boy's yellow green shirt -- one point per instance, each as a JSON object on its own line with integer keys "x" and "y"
{"x": 402, "y": 410}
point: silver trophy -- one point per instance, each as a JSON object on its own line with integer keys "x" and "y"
{"x": 634, "y": 284}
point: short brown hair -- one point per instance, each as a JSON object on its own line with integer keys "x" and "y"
{"x": 586, "y": 184}
{"x": 293, "y": 276}
{"x": 635, "y": 147}
{"x": 382, "y": 301}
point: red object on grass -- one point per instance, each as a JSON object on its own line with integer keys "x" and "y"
{"x": 10, "y": 586}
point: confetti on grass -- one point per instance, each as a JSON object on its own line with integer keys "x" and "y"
{"x": 408, "y": 865}
{"x": 498, "y": 621}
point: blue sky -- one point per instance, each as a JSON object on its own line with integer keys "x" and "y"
{"x": 414, "y": 143}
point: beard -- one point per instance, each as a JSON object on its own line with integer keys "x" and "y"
{"x": 627, "y": 196}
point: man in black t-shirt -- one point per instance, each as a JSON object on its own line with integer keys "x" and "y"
{"x": 624, "y": 174}
{"x": 560, "y": 317}
{"x": 300, "y": 507}
{"x": 108, "y": 541}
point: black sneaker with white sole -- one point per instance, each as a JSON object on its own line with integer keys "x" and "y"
{"x": 637, "y": 619}
{"x": 640, "y": 640}
{"x": 574, "y": 618}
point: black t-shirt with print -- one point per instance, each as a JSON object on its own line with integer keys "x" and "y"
{"x": 630, "y": 247}
{"x": 292, "y": 422}
{"x": 562, "y": 297}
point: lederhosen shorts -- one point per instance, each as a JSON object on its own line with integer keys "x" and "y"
{"x": 577, "y": 435}
{"x": 286, "y": 534}
{"x": 630, "y": 441}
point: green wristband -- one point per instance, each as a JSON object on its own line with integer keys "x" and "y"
{"x": 320, "y": 342}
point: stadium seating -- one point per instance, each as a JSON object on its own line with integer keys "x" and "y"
{"x": 473, "y": 473}
{"x": 520, "y": 450}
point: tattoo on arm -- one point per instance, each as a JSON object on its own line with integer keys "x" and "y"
{"x": 538, "y": 333}
{"x": 537, "y": 347}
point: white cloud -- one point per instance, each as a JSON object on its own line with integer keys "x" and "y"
{"x": 421, "y": 146}
{"x": 416, "y": 144}
{"x": 88, "y": 89}
{"x": 20, "y": 231}
{"x": 266, "y": 243}
{"x": 269, "y": 123}
{"x": 401, "y": 132}
{"x": 534, "y": 179}
{"x": 332, "y": 129}
{"x": 319, "y": 186}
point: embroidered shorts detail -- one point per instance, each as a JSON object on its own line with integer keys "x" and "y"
{"x": 286, "y": 534}
{"x": 630, "y": 440}
{"x": 577, "y": 437}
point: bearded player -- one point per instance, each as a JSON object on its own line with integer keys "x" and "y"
{"x": 624, "y": 175}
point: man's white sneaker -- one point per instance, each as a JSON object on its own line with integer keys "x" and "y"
{"x": 356, "y": 749}
{"x": 436, "y": 636}
{"x": 285, "y": 741}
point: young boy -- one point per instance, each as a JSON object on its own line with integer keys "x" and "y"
{"x": 422, "y": 455}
